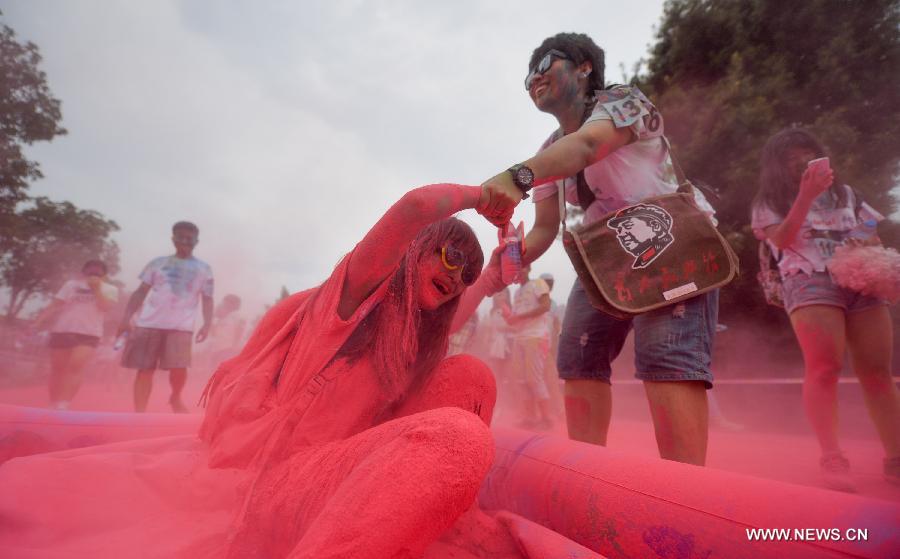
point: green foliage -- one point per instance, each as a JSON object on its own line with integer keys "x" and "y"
{"x": 28, "y": 113}
{"x": 52, "y": 240}
{"x": 728, "y": 74}
{"x": 41, "y": 241}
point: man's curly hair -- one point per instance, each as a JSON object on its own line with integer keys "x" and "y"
{"x": 580, "y": 48}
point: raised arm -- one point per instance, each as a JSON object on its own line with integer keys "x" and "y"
{"x": 381, "y": 250}
{"x": 572, "y": 153}
{"x": 104, "y": 302}
{"x": 814, "y": 182}
{"x": 544, "y": 230}
{"x": 564, "y": 158}
{"x": 489, "y": 282}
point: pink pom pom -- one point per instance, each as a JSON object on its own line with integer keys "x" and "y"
{"x": 871, "y": 270}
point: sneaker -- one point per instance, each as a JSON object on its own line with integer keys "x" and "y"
{"x": 836, "y": 472}
{"x": 892, "y": 470}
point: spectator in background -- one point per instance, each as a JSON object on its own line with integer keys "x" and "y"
{"x": 76, "y": 313}
{"x": 554, "y": 324}
{"x": 497, "y": 347}
{"x": 461, "y": 340}
{"x": 228, "y": 332}
{"x": 168, "y": 299}
{"x": 804, "y": 212}
{"x": 528, "y": 323}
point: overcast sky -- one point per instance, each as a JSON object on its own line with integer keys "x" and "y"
{"x": 284, "y": 129}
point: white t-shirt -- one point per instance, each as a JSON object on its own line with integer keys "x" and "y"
{"x": 633, "y": 172}
{"x": 824, "y": 229}
{"x": 80, "y": 313}
{"x": 526, "y": 299}
{"x": 176, "y": 285}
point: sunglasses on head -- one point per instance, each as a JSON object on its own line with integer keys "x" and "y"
{"x": 544, "y": 65}
{"x": 453, "y": 259}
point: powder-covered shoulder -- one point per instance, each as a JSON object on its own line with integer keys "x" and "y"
{"x": 329, "y": 294}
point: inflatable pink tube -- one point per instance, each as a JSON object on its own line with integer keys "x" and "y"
{"x": 626, "y": 506}
{"x": 25, "y": 431}
{"x": 616, "y": 504}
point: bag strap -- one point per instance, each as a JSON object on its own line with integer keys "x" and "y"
{"x": 767, "y": 259}
{"x": 561, "y": 192}
{"x": 857, "y": 201}
{"x": 684, "y": 185}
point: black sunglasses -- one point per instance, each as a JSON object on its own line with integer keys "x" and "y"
{"x": 544, "y": 65}
{"x": 453, "y": 259}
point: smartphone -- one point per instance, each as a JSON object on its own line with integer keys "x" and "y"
{"x": 821, "y": 164}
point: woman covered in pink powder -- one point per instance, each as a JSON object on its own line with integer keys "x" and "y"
{"x": 340, "y": 430}
{"x": 804, "y": 212}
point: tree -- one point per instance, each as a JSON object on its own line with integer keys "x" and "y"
{"x": 28, "y": 113}
{"x": 50, "y": 241}
{"x": 729, "y": 74}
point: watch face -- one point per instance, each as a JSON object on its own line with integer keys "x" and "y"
{"x": 524, "y": 176}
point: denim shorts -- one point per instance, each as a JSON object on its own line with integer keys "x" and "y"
{"x": 802, "y": 290}
{"x": 673, "y": 343}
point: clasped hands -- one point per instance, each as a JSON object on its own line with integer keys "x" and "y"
{"x": 499, "y": 198}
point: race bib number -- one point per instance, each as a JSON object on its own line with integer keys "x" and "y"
{"x": 629, "y": 106}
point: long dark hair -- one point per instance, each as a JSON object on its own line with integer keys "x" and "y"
{"x": 407, "y": 342}
{"x": 777, "y": 188}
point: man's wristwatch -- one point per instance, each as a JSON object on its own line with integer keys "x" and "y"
{"x": 523, "y": 177}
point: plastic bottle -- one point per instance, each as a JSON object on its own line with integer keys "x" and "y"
{"x": 864, "y": 231}
{"x": 511, "y": 257}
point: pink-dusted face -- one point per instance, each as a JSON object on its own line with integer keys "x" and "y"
{"x": 556, "y": 87}
{"x": 437, "y": 283}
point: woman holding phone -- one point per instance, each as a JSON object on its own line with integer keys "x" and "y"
{"x": 804, "y": 212}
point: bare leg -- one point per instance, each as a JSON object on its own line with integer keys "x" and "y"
{"x": 680, "y": 419}
{"x": 143, "y": 386}
{"x": 59, "y": 364}
{"x": 177, "y": 379}
{"x": 72, "y": 381}
{"x": 588, "y": 410}
{"x": 820, "y": 331}
{"x": 870, "y": 337}
{"x": 534, "y": 355}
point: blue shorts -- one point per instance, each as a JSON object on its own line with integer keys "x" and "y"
{"x": 803, "y": 290}
{"x": 673, "y": 343}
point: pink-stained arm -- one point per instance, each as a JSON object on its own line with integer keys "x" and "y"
{"x": 813, "y": 183}
{"x": 544, "y": 230}
{"x": 564, "y": 158}
{"x": 380, "y": 251}
{"x": 488, "y": 283}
